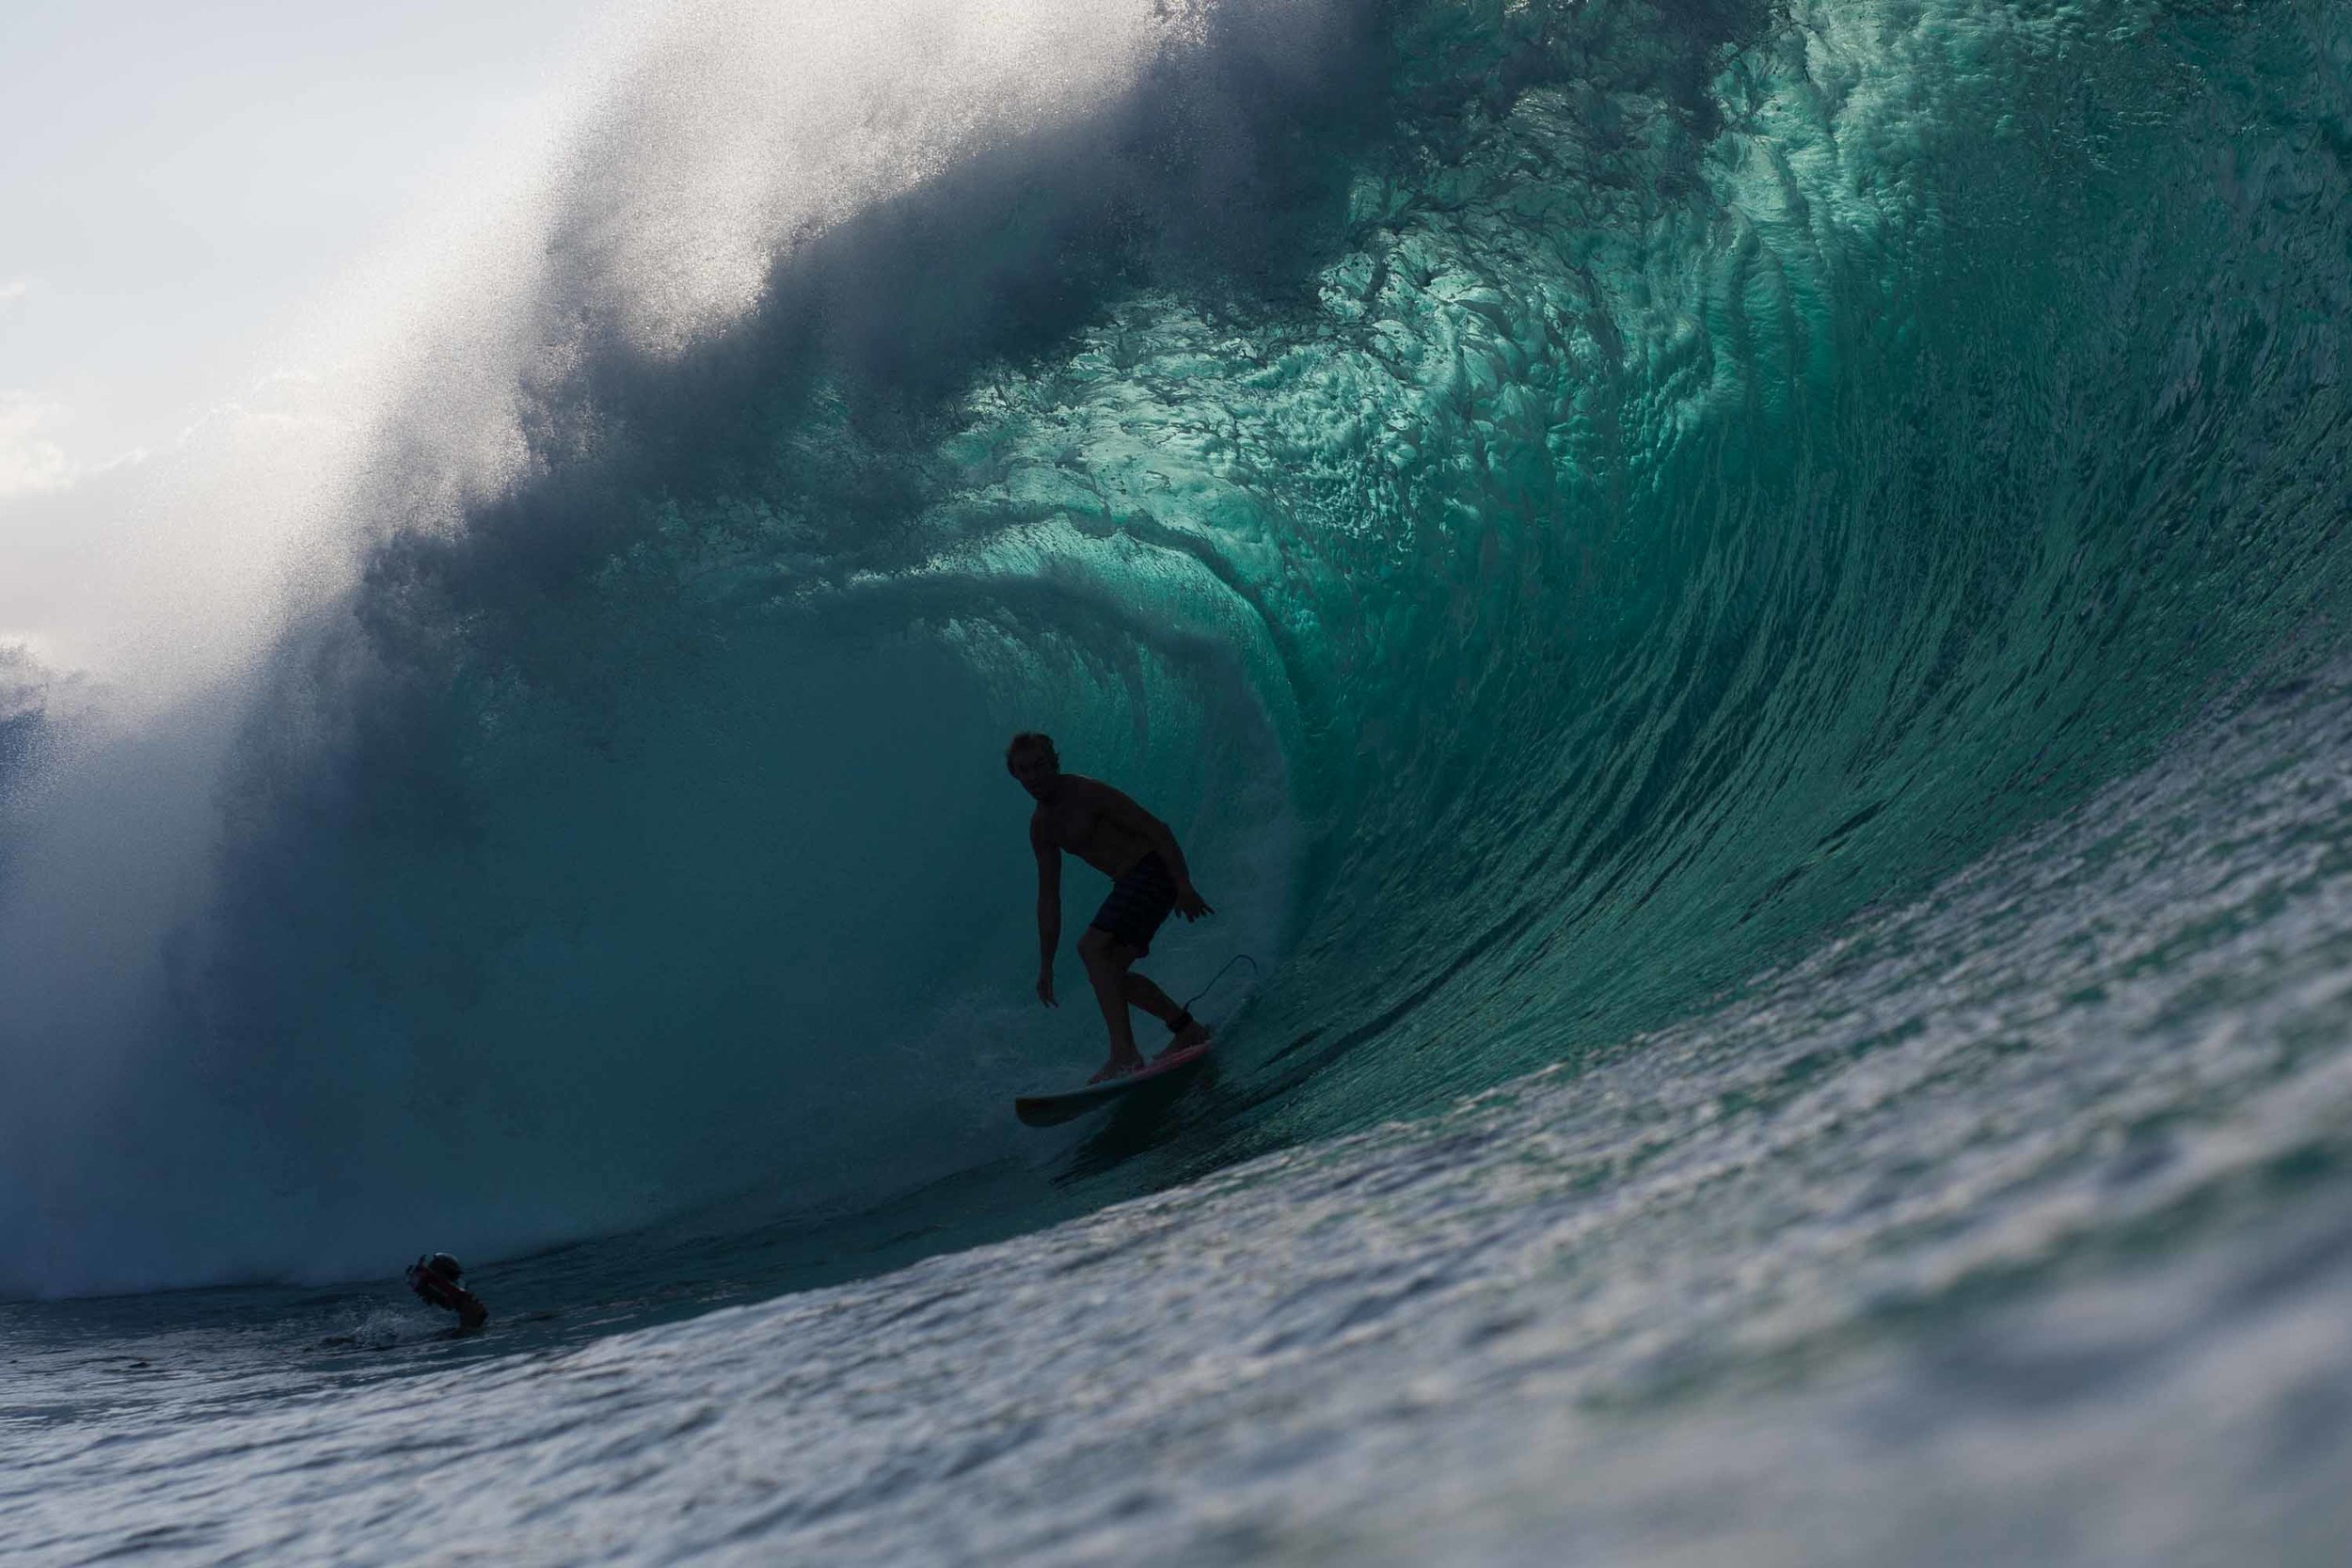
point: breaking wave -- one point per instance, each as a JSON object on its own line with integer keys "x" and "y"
{"x": 1559, "y": 504}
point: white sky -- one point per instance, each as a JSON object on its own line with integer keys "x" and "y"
{"x": 173, "y": 177}
{"x": 177, "y": 182}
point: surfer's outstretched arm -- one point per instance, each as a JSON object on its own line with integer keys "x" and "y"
{"x": 1048, "y": 908}
{"x": 1123, "y": 809}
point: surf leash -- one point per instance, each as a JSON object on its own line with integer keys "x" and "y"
{"x": 1236, "y": 958}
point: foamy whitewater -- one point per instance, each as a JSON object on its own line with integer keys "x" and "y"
{"x": 1743, "y": 607}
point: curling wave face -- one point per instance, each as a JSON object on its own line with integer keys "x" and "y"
{"x": 1558, "y": 505}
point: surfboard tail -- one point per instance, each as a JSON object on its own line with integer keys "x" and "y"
{"x": 1050, "y": 1110}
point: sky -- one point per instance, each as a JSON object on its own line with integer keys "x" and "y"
{"x": 177, "y": 184}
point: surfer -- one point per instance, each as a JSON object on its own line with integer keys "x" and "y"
{"x": 439, "y": 1281}
{"x": 1136, "y": 851}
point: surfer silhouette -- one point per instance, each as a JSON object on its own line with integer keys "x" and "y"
{"x": 439, "y": 1281}
{"x": 1149, "y": 880}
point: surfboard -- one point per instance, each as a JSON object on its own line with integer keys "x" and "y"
{"x": 1046, "y": 1110}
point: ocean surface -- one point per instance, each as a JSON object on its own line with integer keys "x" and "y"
{"x": 1743, "y": 606}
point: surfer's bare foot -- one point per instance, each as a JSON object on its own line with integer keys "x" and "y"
{"x": 1195, "y": 1033}
{"x": 1117, "y": 1068}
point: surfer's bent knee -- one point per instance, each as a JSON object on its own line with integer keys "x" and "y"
{"x": 1098, "y": 946}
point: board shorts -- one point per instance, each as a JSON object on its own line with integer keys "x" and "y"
{"x": 1138, "y": 903}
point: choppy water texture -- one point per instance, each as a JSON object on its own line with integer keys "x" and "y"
{"x": 1743, "y": 605}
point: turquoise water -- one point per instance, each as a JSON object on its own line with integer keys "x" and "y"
{"x": 2007, "y": 1225}
{"x": 1739, "y": 604}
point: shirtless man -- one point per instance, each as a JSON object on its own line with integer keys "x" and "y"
{"x": 1135, "y": 848}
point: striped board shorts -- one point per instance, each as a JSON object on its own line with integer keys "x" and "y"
{"x": 1139, "y": 902}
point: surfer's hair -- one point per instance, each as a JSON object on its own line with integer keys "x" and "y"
{"x": 1031, "y": 740}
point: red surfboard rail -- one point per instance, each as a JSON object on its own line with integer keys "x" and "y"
{"x": 1047, "y": 1110}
